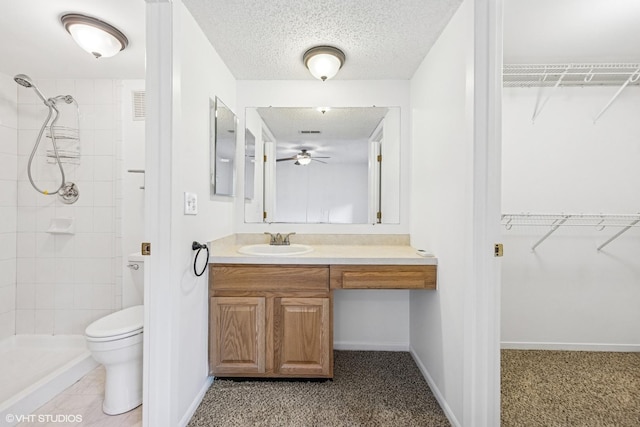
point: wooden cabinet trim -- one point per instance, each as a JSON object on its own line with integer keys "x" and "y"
{"x": 268, "y": 277}
{"x": 383, "y": 276}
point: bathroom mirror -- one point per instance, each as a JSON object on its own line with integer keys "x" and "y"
{"x": 222, "y": 125}
{"x": 321, "y": 165}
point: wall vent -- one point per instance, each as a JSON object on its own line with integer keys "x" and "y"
{"x": 309, "y": 131}
{"x": 139, "y": 110}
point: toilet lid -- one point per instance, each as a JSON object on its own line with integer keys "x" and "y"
{"x": 118, "y": 323}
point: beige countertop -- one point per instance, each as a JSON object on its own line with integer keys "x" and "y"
{"x": 366, "y": 251}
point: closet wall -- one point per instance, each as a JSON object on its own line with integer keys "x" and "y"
{"x": 567, "y": 294}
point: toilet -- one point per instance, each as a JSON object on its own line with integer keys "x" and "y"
{"x": 115, "y": 341}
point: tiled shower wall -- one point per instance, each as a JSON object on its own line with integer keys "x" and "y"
{"x": 8, "y": 203}
{"x": 65, "y": 281}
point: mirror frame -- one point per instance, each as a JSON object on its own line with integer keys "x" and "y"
{"x": 216, "y": 109}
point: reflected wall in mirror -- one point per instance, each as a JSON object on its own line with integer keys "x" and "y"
{"x": 222, "y": 133}
{"x": 322, "y": 165}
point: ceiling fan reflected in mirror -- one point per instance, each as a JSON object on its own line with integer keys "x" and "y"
{"x": 303, "y": 158}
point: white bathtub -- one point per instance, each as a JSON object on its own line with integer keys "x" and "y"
{"x": 35, "y": 368}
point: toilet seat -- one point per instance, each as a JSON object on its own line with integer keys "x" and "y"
{"x": 118, "y": 325}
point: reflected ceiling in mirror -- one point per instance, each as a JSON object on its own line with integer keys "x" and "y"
{"x": 321, "y": 163}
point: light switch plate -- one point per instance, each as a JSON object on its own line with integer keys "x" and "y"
{"x": 190, "y": 203}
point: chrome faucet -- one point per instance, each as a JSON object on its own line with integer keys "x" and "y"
{"x": 279, "y": 239}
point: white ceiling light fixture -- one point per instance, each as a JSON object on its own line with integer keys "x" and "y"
{"x": 323, "y": 61}
{"x": 100, "y": 39}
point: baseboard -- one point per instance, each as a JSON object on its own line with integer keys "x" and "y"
{"x": 517, "y": 345}
{"x": 436, "y": 391}
{"x": 196, "y": 402}
{"x": 365, "y": 346}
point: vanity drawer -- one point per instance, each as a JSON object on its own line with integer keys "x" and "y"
{"x": 383, "y": 276}
{"x": 268, "y": 277}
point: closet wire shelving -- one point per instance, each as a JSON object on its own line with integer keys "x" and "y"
{"x": 554, "y": 221}
{"x": 570, "y": 75}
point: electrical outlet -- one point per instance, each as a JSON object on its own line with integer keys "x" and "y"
{"x": 190, "y": 203}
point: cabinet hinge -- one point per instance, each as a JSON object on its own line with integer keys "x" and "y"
{"x": 379, "y": 216}
{"x": 379, "y": 157}
{"x": 265, "y": 158}
{"x": 264, "y": 215}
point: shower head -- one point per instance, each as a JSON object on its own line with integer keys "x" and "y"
{"x": 24, "y": 80}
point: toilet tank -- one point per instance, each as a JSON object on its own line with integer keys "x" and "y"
{"x": 133, "y": 281}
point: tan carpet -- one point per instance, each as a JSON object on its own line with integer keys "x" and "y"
{"x": 370, "y": 389}
{"x": 570, "y": 388}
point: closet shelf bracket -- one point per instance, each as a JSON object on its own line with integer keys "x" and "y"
{"x": 538, "y": 107}
{"x": 556, "y": 224}
{"x": 618, "y": 234}
{"x": 632, "y": 79}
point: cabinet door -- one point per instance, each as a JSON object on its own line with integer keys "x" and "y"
{"x": 237, "y": 335}
{"x": 302, "y": 337}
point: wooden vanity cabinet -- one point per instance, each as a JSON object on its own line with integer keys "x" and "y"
{"x": 270, "y": 321}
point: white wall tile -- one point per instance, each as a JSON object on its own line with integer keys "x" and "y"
{"x": 44, "y": 322}
{"x": 64, "y": 270}
{"x": 9, "y": 220}
{"x": 64, "y": 246}
{"x": 8, "y": 117}
{"x": 8, "y": 268}
{"x": 7, "y": 298}
{"x": 45, "y": 269}
{"x": 7, "y": 324}
{"x": 8, "y": 166}
{"x": 103, "y": 220}
{"x": 32, "y": 116}
{"x": 8, "y": 193}
{"x": 103, "y": 193}
{"x": 8, "y": 140}
{"x": 63, "y": 296}
{"x": 25, "y": 270}
{"x": 45, "y": 296}
{"x": 85, "y": 92}
{"x": 103, "y": 168}
{"x": 64, "y": 321}
{"x": 7, "y": 246}
{"x": 65, "y": 281}
{"x": 45, "y": 246}
{"x": 104, "y": 92}
{"x": 104, "y": 142}
{"x": 25, "y": 321}
{"x": 26, "y": 296}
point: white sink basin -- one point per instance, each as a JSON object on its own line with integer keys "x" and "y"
{"x": 275, "y": 250}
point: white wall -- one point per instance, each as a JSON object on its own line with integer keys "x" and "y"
{"x": 8, "y": 203}
{"x": 185, "y": 74}
{"x": 442, "y": 206}
{"x": 567, "y": 294}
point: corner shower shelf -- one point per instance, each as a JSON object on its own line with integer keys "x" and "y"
{"x": 555, "y": 221}
{"x": 61, "y": 226}
{"x": 567, "y": 75}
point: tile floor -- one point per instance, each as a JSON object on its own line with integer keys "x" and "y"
{"x": 84, "y": 399}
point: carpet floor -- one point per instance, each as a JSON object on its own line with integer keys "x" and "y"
{"x": 570, "y": 388}
{"x": 369, "y": 388}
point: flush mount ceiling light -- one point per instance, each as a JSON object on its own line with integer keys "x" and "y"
{"x": 100, "y": 39}
{"x": 323, "y": 61}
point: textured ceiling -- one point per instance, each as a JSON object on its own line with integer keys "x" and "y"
{"x": 264, "y": 40}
